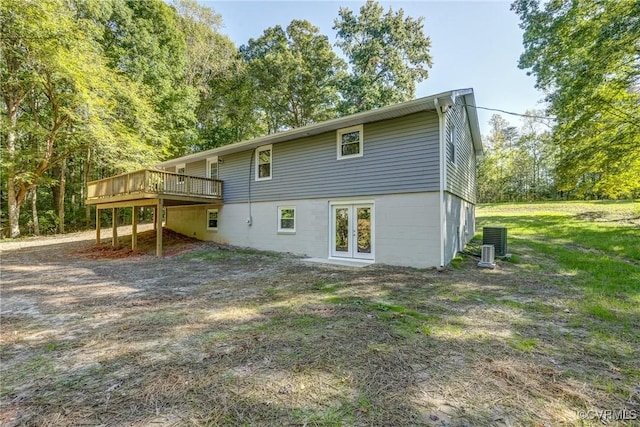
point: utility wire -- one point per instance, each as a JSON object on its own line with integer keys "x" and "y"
{"x": 511, "y": 113}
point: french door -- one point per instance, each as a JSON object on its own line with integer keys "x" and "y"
{"x": 352, "y": 231}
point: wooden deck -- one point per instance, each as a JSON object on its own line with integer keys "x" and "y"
{"x": 147, "y": 184}
{"x": 149, "y": 188}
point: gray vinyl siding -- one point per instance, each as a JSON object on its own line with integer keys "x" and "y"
{"x": 197, "y": 168}
{"x": 400, "y": 156}
{"x": 461, "y": 176}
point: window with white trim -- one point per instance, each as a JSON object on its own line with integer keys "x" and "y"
{"x": 212, "y": 167}
{"x": 286, "y": 219}
{"x": 181, "y": 170}
{"x": 350, "y": 142}
{"x": 212, "y": 219}
{"x": 263, "y": 162}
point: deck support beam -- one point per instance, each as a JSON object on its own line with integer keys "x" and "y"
{"x": 134, "y": 228}
{"x": 114, "y": 224}
{"x": 158, "y": 224}
{"x": 97, "y": 226}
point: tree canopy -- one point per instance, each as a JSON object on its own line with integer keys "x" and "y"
{"x": 61, "y": 98}
{"x": 295, "y": 74}
{"x": 519, "y": 164}
{"x": 585, "y": 56}
{"x": 388, "y": 55}
{"x": 91, "y": 88}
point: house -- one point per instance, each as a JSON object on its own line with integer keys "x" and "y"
{"x": 395, "y": 185}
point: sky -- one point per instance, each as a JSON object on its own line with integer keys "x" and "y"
{"x": 474, "y": 44}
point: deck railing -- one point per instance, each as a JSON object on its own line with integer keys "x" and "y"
{"x": 152, "y": 181}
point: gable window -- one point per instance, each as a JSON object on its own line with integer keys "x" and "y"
{"x": 181, "y": 170}
{"x": 286, "y": 219}
{"x": 212, "y": 219}
{"x": 452, "y": 143}
{"x": 263, "y": 163}
{"x": 212, "y": 168}
{"x": 350, "y": 142}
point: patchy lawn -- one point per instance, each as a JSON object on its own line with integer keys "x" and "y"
{"x": 214, "y": 335}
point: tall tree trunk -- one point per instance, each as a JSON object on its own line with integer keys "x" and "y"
{"x": 60, "y": 202}
{"x": 13, "y": 95}
{"x": 14, "y": 206}
{"x": 12, "y": 193}
{"x": 34, "y": 211}
{"x": 87, "y": 176}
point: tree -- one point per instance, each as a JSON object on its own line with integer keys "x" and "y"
{"x": 294, "y": 74}
{"x": 586, "y": 57}
{"x": 143, "y": 41}
{"x": 388, "y": 54}
{"x": 216, "y": 71}
{"x": 518, "y": 165}
{"x": 60, "y": 98}
{"x": 230, "y": 113}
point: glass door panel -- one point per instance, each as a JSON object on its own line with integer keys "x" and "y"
{"x": 341, "y": 234}
{"x": 364, "y": 240}
{"x": 352, "y": 231}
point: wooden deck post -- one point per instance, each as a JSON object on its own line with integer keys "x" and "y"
{"x": 114, "y": 223}
{"x": 134, "y": 228}
{"x": 97, "y": 226}
{"x": 155, "y": 215}
{"x": 158, "y": 222}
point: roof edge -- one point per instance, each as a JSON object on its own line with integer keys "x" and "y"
{"x": 382, "y": 113}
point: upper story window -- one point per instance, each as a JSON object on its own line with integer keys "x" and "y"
{"x": 212, "y": 168}
{"x": 452, "y": 143}
{"x": 350, "y": 142}
{"x": 181, "y": 170}
{"x": 263, "y": 162}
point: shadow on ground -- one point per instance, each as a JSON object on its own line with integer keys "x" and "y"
{"x": 216, "y": 335}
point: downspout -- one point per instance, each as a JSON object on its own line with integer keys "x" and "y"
{"x": 250, "y": 218}
{"x": 443, "y": 171}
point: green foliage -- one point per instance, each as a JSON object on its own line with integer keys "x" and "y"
{"x": 585, "y": 57}
{"x": 388, "y": 55}
{"x": 518, "y": 165}
{"x": 213, "y": 68}
{"x": 62, "y": 98}
{"x": 93, "y": 88}
{"x": 142, "y": 40}
{"x": 294, "y": 75}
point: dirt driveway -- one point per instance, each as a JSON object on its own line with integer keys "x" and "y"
{"x": 215, "y": 336}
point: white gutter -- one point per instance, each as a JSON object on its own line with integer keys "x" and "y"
{"x": 443, "y": 171}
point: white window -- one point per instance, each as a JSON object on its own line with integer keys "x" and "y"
{"x": 286, "y": 219}
{"x": 212, "y": 168}
{"x": 263, "y": 163}
{"x": 350, "y": 142}
{"x": 181, "y": 170}
{"x": 452, "y": 143}
{"x": 212, "y": 219}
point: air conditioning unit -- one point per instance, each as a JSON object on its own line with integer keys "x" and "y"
{"x": 488, "y": 259}
{"x": 496, "y": 236}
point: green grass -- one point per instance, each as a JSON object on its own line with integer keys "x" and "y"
{"x": 592, "y": 247}
{"x": 245, "y": 255}
{"x": 522, "y": 344}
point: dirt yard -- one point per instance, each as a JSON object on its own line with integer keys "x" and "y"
{"x": 212, "y": 335}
